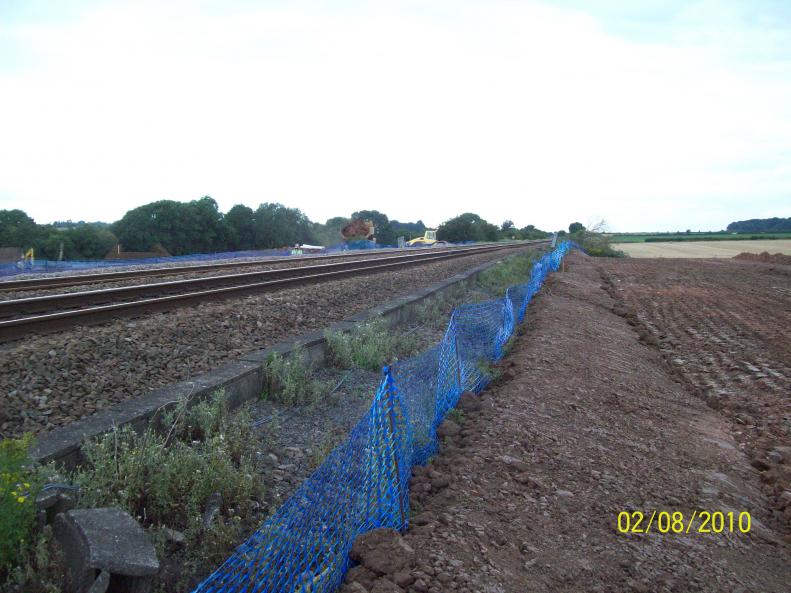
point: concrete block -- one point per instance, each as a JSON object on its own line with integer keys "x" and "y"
{"x": 109, "y": 540}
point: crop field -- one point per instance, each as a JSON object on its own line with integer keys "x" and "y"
{"x": 679, "y": 237}
{"x": 703, "y": 248}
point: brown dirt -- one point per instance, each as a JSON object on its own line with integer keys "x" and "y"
{"x": 723, "y": 327}
{"x": 765, "y": 257}
{"x": 588, "y": 421}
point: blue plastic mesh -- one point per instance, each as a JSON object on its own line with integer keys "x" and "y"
{"x": 49, "y": 266}
{"x": 364, "y": 483}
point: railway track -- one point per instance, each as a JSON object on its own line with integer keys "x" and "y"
{"x": 53, "y": 282}
{"x": 54, "y": 312}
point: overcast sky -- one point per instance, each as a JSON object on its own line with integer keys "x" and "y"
{"x": 653, "y": 115}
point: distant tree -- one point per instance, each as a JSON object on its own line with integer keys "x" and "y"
{"x": 329, "y": 233}
{"x": 467, "y": 227}
{"x": 530, "y": 232}
{"x": 181, "y": 228}
{"x": 576, "y": 227}
{"x": 17, "y": 229}
{"x": 509, "y": 231}
{"x": 279, "y": 226}
{"x": 408, "y": 230}
{"x": 208, "y": 225}
{"x": 240, "y": 228}
{"x": 90, "y": 241}
{"x": 761, "y": 225}
{"x": 337, "y": 222}
{"x": 55, "y": 243}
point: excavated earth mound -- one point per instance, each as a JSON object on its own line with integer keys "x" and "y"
{"x": 766, "y": 257}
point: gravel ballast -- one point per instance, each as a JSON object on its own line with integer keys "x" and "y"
{"x": 49, "y": 381}
{"x": 244, "y": 266}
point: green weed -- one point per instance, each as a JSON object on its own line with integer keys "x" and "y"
{"x": 457, "y": 416}
{"x": 435, "y": 312}
{"x": 489, "y": 369}
{"x": 17, "y": 493}
{"x": 290, "y": 380}
{"x": 512, "y": 270}
{"x": 28, "y": 559}
{"x": 164, "y": 479}
{"x": 368, "y": 346}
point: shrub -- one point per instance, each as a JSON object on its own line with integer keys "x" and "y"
{"x": 29, "y": 559}
{"x": 166, "y": 479}
{"x": 596, "y": 244}
{"x": 290, "y": 380}
{"x": 368, "y": 346}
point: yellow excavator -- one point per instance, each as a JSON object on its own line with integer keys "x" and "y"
{"x": 428, "y": 239}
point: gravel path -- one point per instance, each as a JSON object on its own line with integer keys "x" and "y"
{"x": 586, "y": 423}
{"x": 47, "y": 381}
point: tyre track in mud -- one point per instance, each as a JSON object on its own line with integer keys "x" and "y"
{"x": 723, "y": 327}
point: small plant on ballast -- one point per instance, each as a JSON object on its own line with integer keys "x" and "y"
{"x": 509, "y": 272}
{"x": 289, "y": 380}
{"x": 368, "y": 346}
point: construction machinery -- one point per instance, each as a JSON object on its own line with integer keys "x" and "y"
{"x": 429, "y": 239}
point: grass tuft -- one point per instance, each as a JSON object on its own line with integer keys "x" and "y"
{"x": 290, "y": 380}
{"x": 512, "y": 270}
{"x": 368, "y": 346}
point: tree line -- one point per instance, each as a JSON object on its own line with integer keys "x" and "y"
{"x": 761, "y": 225}
{"x": 59, "y": 240}
{"x": 199, "y": 226}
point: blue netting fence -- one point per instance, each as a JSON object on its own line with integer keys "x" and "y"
{"x": 364, "y": 483}
{"x": 44, "y": 266}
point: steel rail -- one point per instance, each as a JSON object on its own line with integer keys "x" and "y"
{"x": 53, "y": 321}
{"x": 53, "y": 302}
{"x": 99, "y": 277}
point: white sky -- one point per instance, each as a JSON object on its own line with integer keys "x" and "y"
{"x": 675, "y": 115}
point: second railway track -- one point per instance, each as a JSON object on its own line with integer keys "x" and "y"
{"x": 54, "y": 312}
{"x": 104, "y": 277}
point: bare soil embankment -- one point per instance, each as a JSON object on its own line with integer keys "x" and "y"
{"x": 588, "y": 421}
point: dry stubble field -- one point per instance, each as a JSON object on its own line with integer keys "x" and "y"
{"x": 703, "y": 248}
